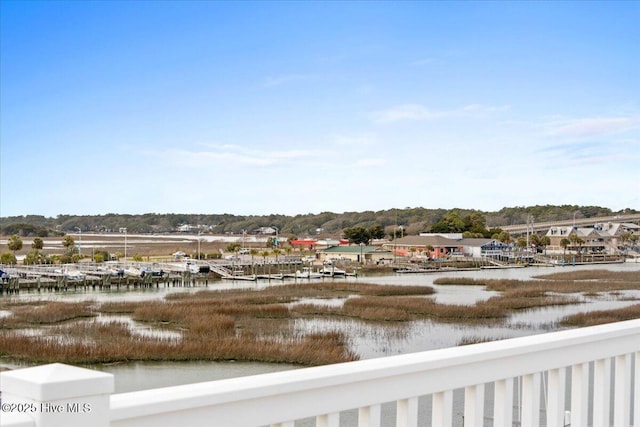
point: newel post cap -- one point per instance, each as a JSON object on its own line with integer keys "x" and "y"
{"x": 55, "y": 381}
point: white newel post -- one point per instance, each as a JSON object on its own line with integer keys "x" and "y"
{"x": 58, "y": 395}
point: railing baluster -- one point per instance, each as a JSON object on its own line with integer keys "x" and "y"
{"x": 407, "y": 412}
{"x": 579, "y": 394}
{"x": 503, "y": 403}
{"x": 442, "y": 409}
{"x": 531, "y": 400}
{"x": 555, "y": 397}
{"x": 328, "y": 420}
{"x": 474, "y": 406}
{"x": 622, "y": 391}
{"x": 636, "y": 395}
{"x": 601, "y": 393}
{"x": 369, "y": 416}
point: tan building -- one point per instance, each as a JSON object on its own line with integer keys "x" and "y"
{"x": 602, "y": 237}
{"x": 356, "y": 253}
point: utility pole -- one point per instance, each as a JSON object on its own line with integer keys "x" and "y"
{"x": 79, "y": 240}
{"x": 529, "y": 229}
{"x": 125, "y": 244}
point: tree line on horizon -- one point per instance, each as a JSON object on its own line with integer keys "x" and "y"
{"x": 410, "y": 220}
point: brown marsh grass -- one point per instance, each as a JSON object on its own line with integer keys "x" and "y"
{"x": 411, "y": 308}
{"x": 292, "y": 292}
{"x": 204, "y": 339}
{"x": 256, "y": 325}
{"x": 45, "y": 313}
{"x": 523, "y": 294}
{"x": 469, "y": 340}
{"x": 525, "y": 298}
{"x": 563, "y": 282}
{"x": 600, "y": 317}
{"x": 606, "y": 275}
{"x": 233, "y": 324}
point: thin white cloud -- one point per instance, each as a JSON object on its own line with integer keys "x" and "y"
{"x": 405, "y": 112}
{"x": 593, "y": 126}
{"x": 417, "y": 112}
{"x": 577, "y": 153}
{"x": 234, "y": 155}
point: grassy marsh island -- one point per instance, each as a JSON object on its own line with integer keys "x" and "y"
{"x": 258, "y": 324}
{"x": 248, "y": 325}
{"x": 546, "y": 288}
{"x": 583, "y": 281}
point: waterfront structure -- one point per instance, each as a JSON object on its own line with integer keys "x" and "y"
{"x": 601, "y": 237}
{"x": 436, "y": 246}
{"x": 579, "y": 377}
{"x": 363, "y": 254}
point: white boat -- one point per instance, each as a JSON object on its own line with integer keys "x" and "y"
{"x": 75, "y": 274}
{"x": 133, "y": 272}
{"x": 331, "y": 271}
{"x": 308, "y": 273}
{"x": 70, "y": 274}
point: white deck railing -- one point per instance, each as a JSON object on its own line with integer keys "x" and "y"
{"x": 588, "y": 372}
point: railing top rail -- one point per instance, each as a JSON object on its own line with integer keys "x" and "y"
{"x": 11, "y": 419}
{"x": 385, "y": 379}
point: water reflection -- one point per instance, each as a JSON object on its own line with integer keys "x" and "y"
{"x": 461, "y": 294}
{"x": 541, "y": 316}
{"x": 139, "y": 376}
{"x": 137, "y": 328}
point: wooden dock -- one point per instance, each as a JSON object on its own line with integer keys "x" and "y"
{"x": 56, "y": 279}
{"x": 132, "y": 275}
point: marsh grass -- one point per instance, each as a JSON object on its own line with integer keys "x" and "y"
{"x": 525, "y": 294}
{"x": 411, "y": 308}
{"x": 563, "y": 282}
{"x": 213, "y": 339}
{"x": 603, "y": 275}
{"x": 469, "y": 340}
{"x": 256, "y": 325}
{"x": 46, "y": 313}
{"x": 295, "y": 291}
{"x": 213, "y": 325}
{"x": 527, "y": 298}
{"x": 600, "y": 317}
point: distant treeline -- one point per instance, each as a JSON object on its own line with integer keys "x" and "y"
{"x": 412, "y": 220}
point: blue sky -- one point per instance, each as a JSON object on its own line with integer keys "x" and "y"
{"x": 304, "y": 107}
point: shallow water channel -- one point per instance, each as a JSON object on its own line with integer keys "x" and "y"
{"x": 367, "y": 339}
